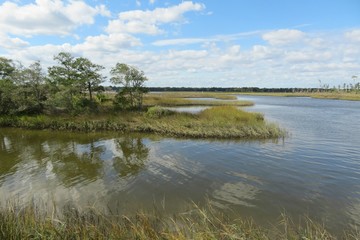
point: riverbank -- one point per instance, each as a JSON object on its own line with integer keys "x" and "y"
{"x": 222, "y": 122}
{"x": 323, "y": 95}
{"x": 31, "y": 222}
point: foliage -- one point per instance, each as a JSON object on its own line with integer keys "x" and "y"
{"x": 157, "y": 112}
{"x": 71, "y": 78}
{"x": 7, "y": 104}
{"x": 6, "y": 68}
{"x": 132, "y": 80}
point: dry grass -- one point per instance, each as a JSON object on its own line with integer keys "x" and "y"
{"x": 352, "y": 96}
{"x": 222, "y": 122}
{"x": 31, "y": 222}
{"x": 182, "y": 99}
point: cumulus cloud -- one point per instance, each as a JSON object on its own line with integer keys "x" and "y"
{"x": 7, "y": 42}
{"x": 149, "y": 22}
{"x": 107, "y": 43}
{"x": 53, "y": 17}
{"x": 283, "y": 36}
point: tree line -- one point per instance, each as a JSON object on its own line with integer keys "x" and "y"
{"x": 72, "y": 85}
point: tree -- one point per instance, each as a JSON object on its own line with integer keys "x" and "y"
{"x": 72, "y": 78}
{"x": 30, "y": 88}
{"x": 89, "y": 75}
{"x": 132, "y": 81}
{"x": 7, "y": 86}
{"x": 7, "y": 67}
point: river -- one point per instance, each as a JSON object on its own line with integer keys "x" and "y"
{"x": 315, "y": 171}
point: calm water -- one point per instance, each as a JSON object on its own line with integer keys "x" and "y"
{"x": 314, "y": 171}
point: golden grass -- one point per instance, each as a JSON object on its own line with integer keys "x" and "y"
{"x": 352, "y": 96}
{"x": 182, "y": 99}
{"x": 221, "y": 122}
{"x": 32, "y": 222}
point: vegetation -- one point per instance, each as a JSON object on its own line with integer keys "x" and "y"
{"x": 189, "y": 99}
{"x": 130, "y": 96}
{"x": 217, "y": 122}
{"x": 198, "y": 223}
{"x": 72, "y": 86}
{"x": 339, "y": 95}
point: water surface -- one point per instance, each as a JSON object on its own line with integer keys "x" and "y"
{"x": 314, "y": 171}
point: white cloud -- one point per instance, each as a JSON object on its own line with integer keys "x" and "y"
{"x": 330, "y": 56}
{"x": 353, "y": 35}
{"x": 149, "y": 22}
{"x": 47, "y": 17}
{"x": 7, "y": 42}
{"x": 283, "y": 36}
{"x": 107, "y": 43}
{"x": 151, "y": 1}
{"x": 180, "y": 41}
{"x": 218, "y": 38}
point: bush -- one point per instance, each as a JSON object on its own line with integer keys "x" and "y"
{"x": 157, "y": 112}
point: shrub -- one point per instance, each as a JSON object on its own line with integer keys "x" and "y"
{"x": 157, "y": 112}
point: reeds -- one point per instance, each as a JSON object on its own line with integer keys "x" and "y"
{"x": 337, "y": 95}
{"x": 182, "y": 99}
{"x": 31, "y": 222}
{"x": 222, "y": 122}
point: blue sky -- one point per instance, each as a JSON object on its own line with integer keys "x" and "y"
{"x": 194, "y": 43}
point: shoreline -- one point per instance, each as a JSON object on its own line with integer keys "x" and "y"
{"x": 221, "y": 122}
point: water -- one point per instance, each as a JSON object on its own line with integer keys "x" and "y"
{"x": 315, "y": 171}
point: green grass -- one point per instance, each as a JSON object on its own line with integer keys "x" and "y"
{"x": 221, "y": 122}
{"x": 32, "y": 222}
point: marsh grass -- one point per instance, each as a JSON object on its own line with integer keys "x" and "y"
{"x": 351, "y": 96}
{"x": 182, "y": 99}
{"x": 221, "y": 122}
{"x": 31, "y": 222}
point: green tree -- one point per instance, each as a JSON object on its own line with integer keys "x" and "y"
{"x": 7, "y": 87}
{"x": 89, "y": 75}
{"x": 30, "y": 88}
{"x": 71, "y": 79}
{"x": 7, "y": 67}
{"x": 131, "y": 80}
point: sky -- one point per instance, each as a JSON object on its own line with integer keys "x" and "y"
{"x": 201, "y": 43}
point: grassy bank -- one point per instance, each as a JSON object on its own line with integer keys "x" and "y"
{"x": 197, "y": 223}
{"x": 223, "y": 122}
{"x": 352, "y": 96}
{"x": 183, "y": 99}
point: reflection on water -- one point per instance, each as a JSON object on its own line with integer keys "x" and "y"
{"x": 314, "y": 171}
{"x": 132, "y": 156}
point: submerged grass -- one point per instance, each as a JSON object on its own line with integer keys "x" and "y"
{"x": 223, "y": 122}
{"x": 31, "y": 222}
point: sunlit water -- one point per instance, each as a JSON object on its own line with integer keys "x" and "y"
{"x": 315, "y": 171}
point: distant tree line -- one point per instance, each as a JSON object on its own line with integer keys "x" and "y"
{"x": 344, "y": 88}
{"x": 72, "y": 85}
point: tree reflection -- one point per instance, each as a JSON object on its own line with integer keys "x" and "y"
{"x": 8, "y": 153}
{"x": 134, "y": 154}
{"x": 78, "y": 162}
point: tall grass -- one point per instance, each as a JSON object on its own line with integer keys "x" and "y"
{"x": 31, "y": 222}
{"x": 218, "y": 122}
{"x": 352, "y": 96}
{"x": 182, "y": 99}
